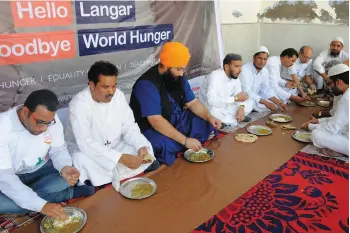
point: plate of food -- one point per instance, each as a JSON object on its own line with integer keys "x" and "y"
{"x": 259, "y": 130}
{"x": 74, "y": 223}
{"x": 245, "y": 137}
{"x": 311, "y": 91}
{"x": 324, "y": 103}
{"x": 288, "y": 126}
{"x": 307, "y": 103}
{"x": 201, "y": 156}
{"x": 302, "y": 136}
{"x": 281, "y": 118}
{"x": 138, "y": 188}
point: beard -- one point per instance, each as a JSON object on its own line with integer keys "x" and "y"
{"x": 171, "y": 82}
{"x": 335, "y": 90}
{"x": 334, "y": 53}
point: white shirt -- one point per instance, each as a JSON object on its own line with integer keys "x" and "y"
{"x": 274, "y": 66}
{"x": 301, "y": 69}
{"x": 339, "y": 123}
{"x": 104, "y": 131}
{"x": 325, "y": 61}
{"x": 21, "y": 152}
{"x": 217, "y": 90}
{"x": 256, "y": 84}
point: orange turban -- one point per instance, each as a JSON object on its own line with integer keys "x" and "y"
{"x": 174, "y": 54}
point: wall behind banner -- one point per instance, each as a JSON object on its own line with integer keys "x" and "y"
{"x": 246, "y": 24}
{"x": 52, "y": 44}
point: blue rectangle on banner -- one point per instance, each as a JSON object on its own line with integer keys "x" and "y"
{"x": 91, "y": 12}
{"x": 97, "y": 41}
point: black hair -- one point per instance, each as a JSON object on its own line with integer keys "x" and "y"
{"x": 343, "y": 76}
{"x": 290, "y": 52}
{"x": 101, "y": 67}
{"x": 231, "y": 57}
{"x": 42, "y": 97}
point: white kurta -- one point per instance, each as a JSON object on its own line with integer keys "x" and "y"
{"x": 98, "y": 134}
{"x": 324, "y": 62}
{"x": 274, "y": 66}
{"x": 217, "y": 93}
{"x": 256, "y": 84}
{"x": 333, "y": 132}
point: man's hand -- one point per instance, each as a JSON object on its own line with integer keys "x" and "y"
{"x": 70, "y": 174}
{"x": 290, "y": 84}
{"x": 282, "y": 106}
{"x": 312, "y": 120}
{"x": 305, "y": 96}
{"x": 241, "y": 97}
{"x": 142, "y": 152}
{"x": 131, "y": 161}
{"x": 270, "y": 106}
{"x": 194, "y": 144}
{"x": 214, "y": 122}
{"x": 54, "y": 210}
{"x": 240, "y": 115}
{"x": 296, "y": 99}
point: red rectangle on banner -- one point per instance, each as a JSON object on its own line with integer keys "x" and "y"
{"x": 36, "y": 47}
{"x": 28, "y": 13}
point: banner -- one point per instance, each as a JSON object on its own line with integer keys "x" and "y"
{"x": 52, "y": 44}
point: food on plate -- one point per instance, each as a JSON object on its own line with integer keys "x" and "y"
{"x": 141, "y": 190}
{"x": 148, "y": 158}
{"x": 199, "y": 156}
{"x": 71, "y": 224}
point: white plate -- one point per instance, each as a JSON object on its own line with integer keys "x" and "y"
{"x": 254, "y": 129}
{"x": 323, "y": 103}
{"x": 189, "y": 152}
{"x": 127, "y": 186}
{"x": 302, "y": 136}
{"x": 70, "y": 211}
{"x": 287, "y": 118}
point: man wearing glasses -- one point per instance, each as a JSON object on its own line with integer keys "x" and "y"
{"x": 35, "y": 167}
{"x": 331, "y": 134}
{"x": 166, "y": 109}
{"x": 303, "y": 68}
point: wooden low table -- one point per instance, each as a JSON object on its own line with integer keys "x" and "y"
{"x": 188, "y": 193}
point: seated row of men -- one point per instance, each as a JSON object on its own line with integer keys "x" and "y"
{"x": 42, "y": 165}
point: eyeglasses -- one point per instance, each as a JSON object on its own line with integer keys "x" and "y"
{"x": 41, "y": 122}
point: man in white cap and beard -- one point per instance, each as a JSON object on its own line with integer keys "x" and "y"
{"x": 332, "y": 133}
{"x": 329, "y": 58}
{"x": 255, "y": 81}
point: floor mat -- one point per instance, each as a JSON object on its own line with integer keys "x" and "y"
{"x": 309, "y": 193}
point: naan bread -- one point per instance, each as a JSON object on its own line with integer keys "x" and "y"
{"x": 311, "y": 92}
{"x": 288, "y": 126}
{"x": 244, "y": 137}
{"x": 148, "y": 158}
{"x": 271, "y": 124}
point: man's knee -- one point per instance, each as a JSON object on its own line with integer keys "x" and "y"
{"x": 10, "y": 207}
{"x": 318, "y": 137}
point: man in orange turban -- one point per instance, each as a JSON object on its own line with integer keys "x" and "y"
{"x": 158, "y": 100}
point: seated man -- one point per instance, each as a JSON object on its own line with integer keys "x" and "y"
{"x": 158, "y": 99}
{"x": 221, "y": 92}
{"x": 329, "y": 58}
{"x": 35, "y": 167}
{"x": 333, "y": 132}
{"x": 303, "y": 75}
{"x": 255, "y": 81}
{"x": 102, "y": 134}
{"x": 274, "y": 65}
